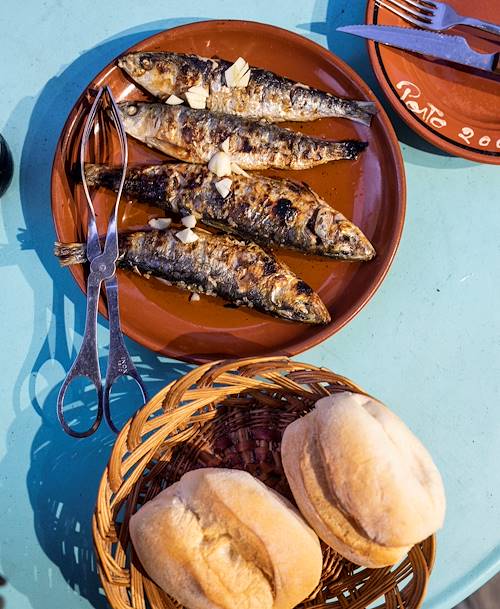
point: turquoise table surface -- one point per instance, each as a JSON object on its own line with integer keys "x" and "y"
{"x": 427, "y": 344}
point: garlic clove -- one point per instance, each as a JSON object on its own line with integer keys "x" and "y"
{"x": 238, "y": 74}
{"x": 165, "y": 281}
{"x": 186, "y": 236}
{"x": 160, "y": 223}
{"x": 173, "y": 100}
{"x": 189, "y": 221}
{"x": 235, "y": 168}
{"x": 199, "y": 90}
{"x": 225, "y": 145}
{"x": 194, "y": 297}
{"x": 240, "y": 64}
{"x": 220, "y": 164}
{"x": 224, "y": 187}
{"x": 195, "y": 100}
{"x": 244, "y": 80}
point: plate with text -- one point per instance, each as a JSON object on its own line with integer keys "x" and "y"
{"x": 455, "y": 108}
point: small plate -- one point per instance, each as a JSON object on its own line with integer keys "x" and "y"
{"x": 453, "y": 108}
{"x": 370, "y": 191}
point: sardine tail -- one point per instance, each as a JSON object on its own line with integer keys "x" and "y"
{"x": 93, "y": 174}
{"x": 102, "y": 175}
{"x": 363, "y": 111}
{"x": 347, "y": 149}
{"x": 70, "y": 253}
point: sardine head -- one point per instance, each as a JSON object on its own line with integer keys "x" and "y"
{"x": 138, "y": 119}
{"x": 156, "y": 72}
{"x": 308, "y": 305}
{"x": 296, "y": 300}
{"x": 352, "y": 243}
{"x": 340, "y": 238}
{"x": 136, "y": 64}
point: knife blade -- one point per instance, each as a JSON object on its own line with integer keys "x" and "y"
{"x": 443, "y": 46}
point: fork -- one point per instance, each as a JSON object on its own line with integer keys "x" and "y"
{"x": 433, "y": 15}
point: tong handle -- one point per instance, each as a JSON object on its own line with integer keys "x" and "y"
{"x": 86, "y": 364}
{"x": 119, "y": 361}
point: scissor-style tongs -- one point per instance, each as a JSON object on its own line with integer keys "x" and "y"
{"x": 102, "y": 269}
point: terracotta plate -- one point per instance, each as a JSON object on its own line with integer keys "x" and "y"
{"x": 451, "y": 107}
{"x": 371, "y": 191}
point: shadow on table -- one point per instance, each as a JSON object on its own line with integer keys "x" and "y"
{"x": 64, "y": 473}
{"x": 62, "y": 484}
{"x": 354, "y": 52}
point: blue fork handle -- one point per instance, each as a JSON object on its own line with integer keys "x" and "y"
{"x": 119, "y": 361}
{"x": 86, "y": 364}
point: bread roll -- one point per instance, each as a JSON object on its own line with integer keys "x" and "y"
{"x": 362, "y": 480}
{"x": 220, "y": 539}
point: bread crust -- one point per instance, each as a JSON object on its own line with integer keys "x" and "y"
{"x": 362, "y": 480}
{"x": 220, "y": 539}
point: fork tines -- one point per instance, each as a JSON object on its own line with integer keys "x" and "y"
{"x": 421, "y": 16}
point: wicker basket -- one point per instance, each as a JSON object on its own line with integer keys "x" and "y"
{"x": 229, "y": 414}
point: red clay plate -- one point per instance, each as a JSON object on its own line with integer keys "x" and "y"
{"x": 455, "y": 109}
{"x": 371, "y": 191}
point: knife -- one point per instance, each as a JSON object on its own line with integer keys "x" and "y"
{"x": 451, "y": 48}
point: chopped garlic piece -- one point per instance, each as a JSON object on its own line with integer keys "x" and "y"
{"x": 186, "y": 236}
{"x": 225, "y": 146}
{"x": 189, "y": 221}
{"x": 244, "y": 79}
{"x": 196, "y": 96}
{"x": 198, "y": 90}
{"x": 160, "y": 223}
{"x": 224, "y": 187}
{"x": 240, "y": 64}
{"x": 238, "y": 75}
{"x": 194, "y": 297}
{"x": 220, "y": 164}
{"x": 173, "y": 100}
{"x": 165, "y": 281}
{"x": 231, "y": 77}
{"x": 235, "y": 168}
{"x": 199, "y": 102}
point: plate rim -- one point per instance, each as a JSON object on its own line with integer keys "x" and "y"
{"x": 443, "y": 143}
{"x": 323, "y": 333}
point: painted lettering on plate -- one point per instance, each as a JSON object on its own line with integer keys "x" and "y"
{"x": 427, "y": 111}
{"x": 469, "y": 136}
{"x": 411, "y": 95}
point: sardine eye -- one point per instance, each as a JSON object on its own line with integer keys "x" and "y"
{"x": 132, "y": 110}
{"x": 146, "y": 63}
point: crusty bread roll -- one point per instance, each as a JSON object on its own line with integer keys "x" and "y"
{"x": 362, "y": 480}
{"x": 220, "y": 539}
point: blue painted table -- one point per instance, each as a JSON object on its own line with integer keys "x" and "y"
{"x": 428, "y": 343}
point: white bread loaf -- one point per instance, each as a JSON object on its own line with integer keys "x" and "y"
{"x": 220, "y": 539}
{"x": 362, "y": 480}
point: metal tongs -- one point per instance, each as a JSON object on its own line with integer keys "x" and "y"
{"x": 102, "y": 269}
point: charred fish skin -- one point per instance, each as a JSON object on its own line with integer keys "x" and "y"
{"x": 268, "y": 211}
{"x": 242, "y": 273}
{"x": 267, "y": 95}
{"x": 195, "y": 136}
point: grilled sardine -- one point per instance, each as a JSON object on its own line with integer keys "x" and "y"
{"x": 196, "y": 135}
{"x": 242, "y": 273}
{"x": 267, "y": 95}
{"x": 265, "y": 210}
